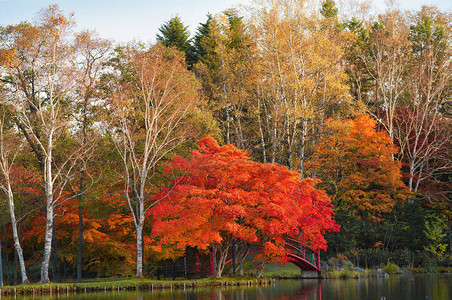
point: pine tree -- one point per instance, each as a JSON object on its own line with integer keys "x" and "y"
{"x": 174, "y": 33}
{"x": 225, "y": 69}
{"x": 197, "y": 50}
{"x": 329, "y": 9}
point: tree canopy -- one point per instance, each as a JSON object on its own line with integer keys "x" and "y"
{"x": 355, "y": 164}
{"x": 222, "y": 196}
{"x": 173, "y": 33}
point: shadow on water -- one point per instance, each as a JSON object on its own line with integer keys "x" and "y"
{"x": 412, "y": 287}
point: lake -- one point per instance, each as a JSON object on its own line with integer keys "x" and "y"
{"x": 410, "y": 287}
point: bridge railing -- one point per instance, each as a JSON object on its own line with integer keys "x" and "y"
{"x": 305, "y": 253}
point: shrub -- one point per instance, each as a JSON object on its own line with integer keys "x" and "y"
{"x": 391, "y": 268}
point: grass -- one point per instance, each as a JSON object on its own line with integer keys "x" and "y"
{"x": 346, "y": 274}
{"x": 418, "y": 270}
{"x": 113, "y": 284}
{"x": 281, "y": 271}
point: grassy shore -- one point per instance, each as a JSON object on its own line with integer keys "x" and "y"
{"x": 125, "y": 285}
{"x": 133, "y": 284}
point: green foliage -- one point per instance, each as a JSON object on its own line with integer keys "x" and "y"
{"x": 197, "y": 51}
{"x": 408, "y": 229}
{"x": 391, "y": 268}
{"x": 223, "y": 50}
{"x": 329, "y": 9}
{"x": 370, "y": 258}
{"x": 349, "y": 237}
{"x": 426, "y": 32}
{"x": 435, "y": 231}
{"x": 280, "y": 271}
{"x": 173, "y": 33}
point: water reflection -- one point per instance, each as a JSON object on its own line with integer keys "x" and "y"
{"x": 281, "y": 290}
{"x": 417, "y": 287}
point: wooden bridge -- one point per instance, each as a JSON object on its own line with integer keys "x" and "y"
{"x": 302, "y": 257}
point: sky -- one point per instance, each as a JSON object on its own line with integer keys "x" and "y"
{"x": 127, "y": 20}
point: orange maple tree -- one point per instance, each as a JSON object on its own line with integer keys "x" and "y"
{"x": 221, "y": 196}
{"x": 356, "y": 164}
{"x": 109, "y": 243}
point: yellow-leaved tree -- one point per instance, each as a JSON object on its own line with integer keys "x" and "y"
{"x": 301, "y": 78}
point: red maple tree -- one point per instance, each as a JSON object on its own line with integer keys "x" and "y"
{"x": 221, "y": 197}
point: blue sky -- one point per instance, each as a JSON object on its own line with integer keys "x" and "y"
{"x": 125, "y": 20}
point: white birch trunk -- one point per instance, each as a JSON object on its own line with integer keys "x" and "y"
{"x": 47, "y": 245}
{"x": 412, "y": 173}
{"x": 140, "y": 250}
{"x": 219, "y": 263}
{"x": 302, "y": 148}
{"x": 259, "y": 271}
{"x": 48, "y": 180}
{"x": 16, "y": 235}
{"x": 5, "y": 167}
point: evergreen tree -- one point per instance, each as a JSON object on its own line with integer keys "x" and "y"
{"x": 174, "y": 33}
{"x": 197, "y": 50}
{"x": 329, "y": 9}
{"x": 225, "y": 68}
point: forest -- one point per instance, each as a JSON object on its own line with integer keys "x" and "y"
{"x": 323, "y": 123}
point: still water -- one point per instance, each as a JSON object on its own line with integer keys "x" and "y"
{"x": 412, "y": 287}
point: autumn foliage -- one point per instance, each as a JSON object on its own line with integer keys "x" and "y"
{"x": 355, "y": 162}
{"x": 221, "y": 196}
{"x": 89, "y": 130}
{"x": 109, "y": 243}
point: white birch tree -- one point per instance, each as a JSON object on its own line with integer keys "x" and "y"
{"x": 8, "y": 151}
{"x": 302, "y": 80}
{"x": 148, "y": 113}
{"x": 424, "y": 124}
{"x": 37, "y": 65}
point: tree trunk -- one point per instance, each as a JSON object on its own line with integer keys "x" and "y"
{"x": 218, "y": 263}
{"x": 80, "y": 231}
{"x": 1, "y": 264}
{"x": 302, "y": 147}
{"x": 6, "y": 257}
{"x": 274, "y": 143}
{"x": 260, "y": 270}
{"x": 412, "y": 171}
{"x": 242, "y": 253}
{"x": 56, "y": 266}
{"x": 48, "y": 182}
{"x": 240, "y": 268}
{"x": 261, "y": 133}
{"x": 16, "y": 237}
{"x": 47, "y": 245}
{"x": 20, "y": 256}
{"x": 140, "y": 249}
{"x": 239, "y": 133}
{"x": 227, "y": 125}
{"x": 15, "y": 267}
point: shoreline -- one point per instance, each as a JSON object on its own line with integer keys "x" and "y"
{"x": 36, "y": 289}
{"x": 144, "y": 285}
